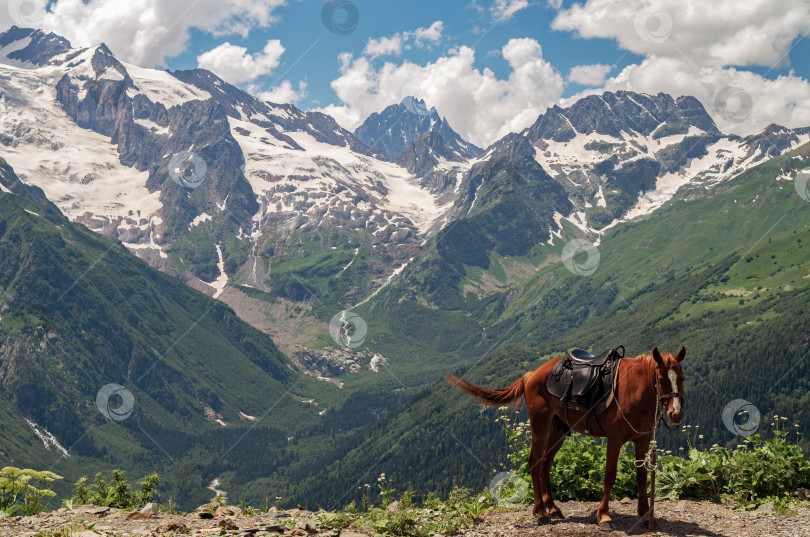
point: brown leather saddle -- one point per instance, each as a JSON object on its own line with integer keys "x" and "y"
{"x": 585, "y": 383}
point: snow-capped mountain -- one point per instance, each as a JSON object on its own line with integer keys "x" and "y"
{"x": 622, "y": 155}
{"x": 191, "y": 173}
{"x": 209, "y": 183}
{"x": 398, "y": 126}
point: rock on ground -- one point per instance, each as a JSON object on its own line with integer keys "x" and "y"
{"x": 682, "y": 518}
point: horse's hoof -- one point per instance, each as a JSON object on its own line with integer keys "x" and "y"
{"x": 556, "y": 514}
{"x": 607, "y": 525}
{"x": 543, "y": 521}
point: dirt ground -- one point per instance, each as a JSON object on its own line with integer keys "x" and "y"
{"x": 681, "y": 518}
{"x": 675, "y": 518}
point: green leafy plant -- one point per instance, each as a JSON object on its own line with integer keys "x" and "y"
{"x": 118, "y": 493}
{"x": 24, "y": 490}
{"x": 755, "y": 472}
{"x": 578, "y": 472}
{"x": 460, "y": 510}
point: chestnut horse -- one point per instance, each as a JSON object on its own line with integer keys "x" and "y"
{"x": 645, "y": 384}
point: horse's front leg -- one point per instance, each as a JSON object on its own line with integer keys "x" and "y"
{"x": 641, "y": 447}
{"x": 611, "y": 464}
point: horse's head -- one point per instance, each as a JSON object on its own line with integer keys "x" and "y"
{"x": 670, "y": 379}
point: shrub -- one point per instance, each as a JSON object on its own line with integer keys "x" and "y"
{"x": 118, "y": 493}
{"x": 24, "y": 490}
{"x": 755, "y": 472}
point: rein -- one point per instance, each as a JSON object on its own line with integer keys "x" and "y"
{"x": 650, "y": 459}
{"x": 659, "y": 416}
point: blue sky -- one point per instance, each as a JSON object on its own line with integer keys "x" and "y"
{"x": 311, "y": 50}
{"x": 300, "y": 28}
{"x": 490, "y": 66}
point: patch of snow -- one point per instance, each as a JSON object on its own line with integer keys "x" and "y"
{"x": 163, "y": 87}
{"x": 270, "y": 164}
{"x": 78, "y": 169}
{"x": 150, "y": 125}
{"x": 245, "y": 416}
{"x": 668, "y": 184}
{"x": 600, "y": 198}
{"x": 199, "y": 219}
{"x": 222, "y": 280}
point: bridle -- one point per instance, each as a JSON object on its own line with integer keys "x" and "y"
{"x": 663, "y": 398}
{"x": 662, "y": 403}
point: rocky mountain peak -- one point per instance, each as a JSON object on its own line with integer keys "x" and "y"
{"x": 612, "y": 113}
{"x": 31, "y": 45}
{"x": 399, "y": 125}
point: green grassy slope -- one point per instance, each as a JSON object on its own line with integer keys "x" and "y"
{"x": 78, "y": 312}
{"x": 726, "y": 274}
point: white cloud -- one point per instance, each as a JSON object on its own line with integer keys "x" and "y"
{"x": 144, "y": 32}
{"x": 284, "y": 93}
{"x": 394, "y": 45}
{"x": 589, "y": 75}
{"x": 235, "y": 64}
{"x": 692, "y": 47}
{"x": 478, "y": 104}
{"x": 721, "y": 32}
{"x": 431, "y": 34}
{"x": 503, "y": 10}
{"x": 384, "y": 46}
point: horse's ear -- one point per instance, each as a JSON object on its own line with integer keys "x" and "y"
{"x": 657, "y": 356}
{"x": 681, "y": 355}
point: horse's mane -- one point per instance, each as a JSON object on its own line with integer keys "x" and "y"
{"x": 649, "y": 363}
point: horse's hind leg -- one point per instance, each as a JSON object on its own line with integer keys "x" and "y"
{"x": 535, "y": 467}
{"x": 555, "y": 442}
{"x": 541, "y": 427}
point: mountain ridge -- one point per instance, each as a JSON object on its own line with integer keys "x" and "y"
{"x": 398, "y": 126}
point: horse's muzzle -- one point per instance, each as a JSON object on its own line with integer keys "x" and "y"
{"x": 675, "y": 418}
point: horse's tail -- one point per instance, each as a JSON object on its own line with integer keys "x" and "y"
{"x": 501, "y": 397}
